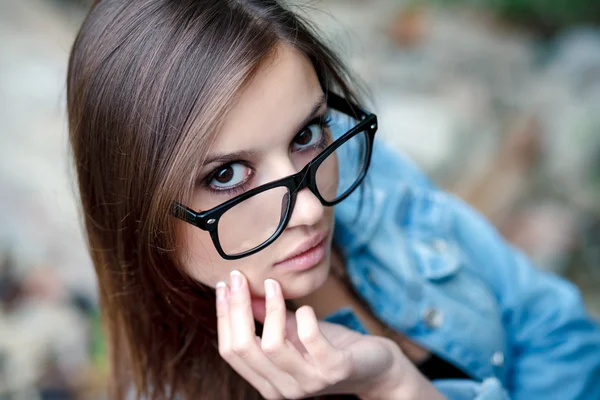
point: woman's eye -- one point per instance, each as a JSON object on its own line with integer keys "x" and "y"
{"x": 309, "y": 137}
{"x": 230, "y": 175}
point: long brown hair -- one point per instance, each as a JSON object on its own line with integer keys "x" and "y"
{"x": 148, "y": 84}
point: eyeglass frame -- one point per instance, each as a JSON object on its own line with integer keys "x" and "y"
{"x": 305, "y": 178}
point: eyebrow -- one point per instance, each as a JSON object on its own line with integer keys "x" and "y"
{"x": 245, "y": 154}
{"x": 313, "y": 113}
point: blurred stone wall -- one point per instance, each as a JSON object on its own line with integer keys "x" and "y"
{"x": 506, "y": 118}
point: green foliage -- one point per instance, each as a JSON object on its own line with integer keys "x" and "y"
{"x": 547, "y": 16}
{"x": 98, "y": 346}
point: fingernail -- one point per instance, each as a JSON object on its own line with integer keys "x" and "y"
{"x": 269, "y": 288}
{"x": 221, "y": 290}
{"x": 236, "y": 280}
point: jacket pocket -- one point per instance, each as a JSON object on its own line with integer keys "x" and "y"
{"x": 438, "y": 258}
{"x": 425, "y": 221}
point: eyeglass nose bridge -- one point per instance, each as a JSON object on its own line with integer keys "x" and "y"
{"x": 302, "y": 180}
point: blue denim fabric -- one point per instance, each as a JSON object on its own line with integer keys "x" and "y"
{"x": 433, "y": 269}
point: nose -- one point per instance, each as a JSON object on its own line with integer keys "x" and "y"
{"x": 308, "y": 210}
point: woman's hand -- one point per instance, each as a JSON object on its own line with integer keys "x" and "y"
{"x": 299, "y": 356}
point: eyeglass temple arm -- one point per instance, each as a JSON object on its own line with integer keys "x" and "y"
{"x": 182, "y": 212}
{"x": 346, "y": 106}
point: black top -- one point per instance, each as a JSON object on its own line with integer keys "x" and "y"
{"x": 438, "y": 368}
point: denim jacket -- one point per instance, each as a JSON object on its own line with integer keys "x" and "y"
{"x": 433, "y": 269}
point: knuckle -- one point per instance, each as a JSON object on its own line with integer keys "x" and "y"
{"x": 315, "y": 385}
{"x": 338, "y": 372}
{"x": 241, "y": 348}
{"x": 332, "y": 378}
{"x": 319, "y": 386}
{"x": 225, "y": 352}
{"x": 270, "y": 393}
{"x": 336, "y": 376}
{"x": 317, "y": 381}
{"x": 272, "y": 349}
{"x": 309, "y": 335}
{"x": 293, "y": 393}
{"x": 221, "y": 312}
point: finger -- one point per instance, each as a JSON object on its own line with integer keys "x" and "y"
{"x": 222, "y": 292}
{"x": 310, "y": 334}
{"x": 332, "y": 362}
{"x": 274, "y": 343}
{"x": 259, "y": 309}
{"x": 291, "y": 329}
{"x": 274, "y": 325}
{"x": 240, "y": 311}
{"x": 225, "y": 348}
{"x": 244, "y": 343}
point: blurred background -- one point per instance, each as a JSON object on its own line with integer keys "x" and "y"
{"x": 498, "y": 100}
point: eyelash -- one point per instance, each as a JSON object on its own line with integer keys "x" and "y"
{"x": 325, "y": 123}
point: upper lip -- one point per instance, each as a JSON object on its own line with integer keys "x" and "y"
{"x": 307, "y": 244}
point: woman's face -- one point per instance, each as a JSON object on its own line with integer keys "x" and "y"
{"x": 274, "y": 130}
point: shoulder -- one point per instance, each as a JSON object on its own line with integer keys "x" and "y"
{"x": 395, "y": 168}
{"x": 405, "y": 259}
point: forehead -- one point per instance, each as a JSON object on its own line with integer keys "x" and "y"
{"x": 281, "y": 95}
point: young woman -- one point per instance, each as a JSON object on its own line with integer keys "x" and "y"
{"x": 213, "y": 140}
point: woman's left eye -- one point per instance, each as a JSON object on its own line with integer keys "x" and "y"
{"x": 308, "y": 137}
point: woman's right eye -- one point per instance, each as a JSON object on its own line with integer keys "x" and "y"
{"x": 229, "y": 176}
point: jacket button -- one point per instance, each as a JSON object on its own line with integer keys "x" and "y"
{"x": 433, "y": 317}
{"x": 497, "y": 359}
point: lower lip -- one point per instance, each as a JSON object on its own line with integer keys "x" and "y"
{"x": 306, "y": 260}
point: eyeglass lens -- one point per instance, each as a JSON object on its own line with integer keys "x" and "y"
{"x": 255, "y": 220}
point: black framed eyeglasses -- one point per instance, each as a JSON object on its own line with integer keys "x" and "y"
{"x": 256, "y": 218}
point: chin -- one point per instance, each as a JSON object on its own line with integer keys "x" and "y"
{"x": 306, "y": 282}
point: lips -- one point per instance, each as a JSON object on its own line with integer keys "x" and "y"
{"x": 306, "y": 245}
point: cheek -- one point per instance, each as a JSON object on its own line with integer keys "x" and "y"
{"x": 328, "y": 177}
{"x": 200, "y": 258}
{"x": 203, "y": 263}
